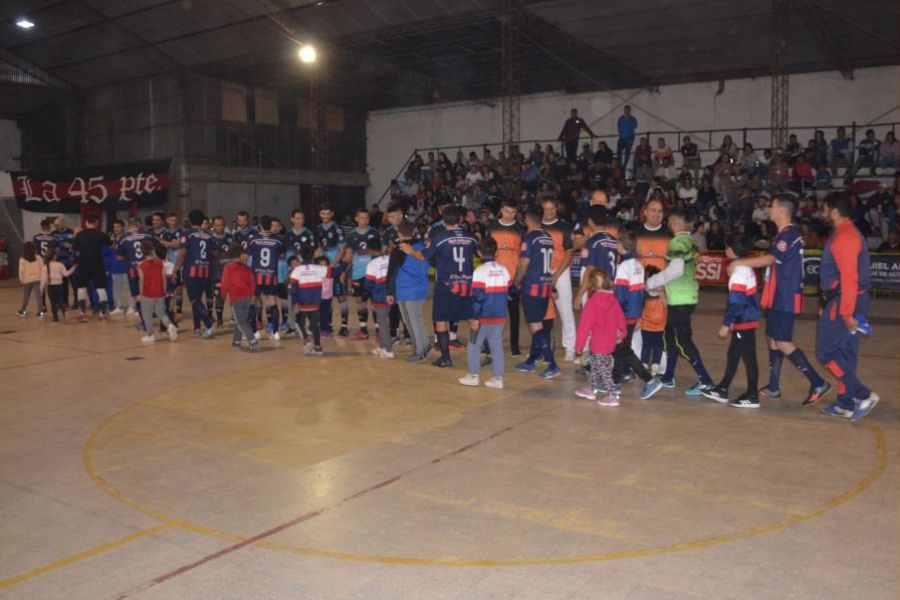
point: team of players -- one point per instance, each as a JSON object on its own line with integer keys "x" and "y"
{"x": 540, "y": 261}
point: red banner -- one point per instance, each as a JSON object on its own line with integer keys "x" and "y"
{"x": 712, "y": 269}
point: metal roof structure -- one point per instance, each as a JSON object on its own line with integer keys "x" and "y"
{"x": 379, "y": 54}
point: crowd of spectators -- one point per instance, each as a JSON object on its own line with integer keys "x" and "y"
{"x": 731, "y": 191}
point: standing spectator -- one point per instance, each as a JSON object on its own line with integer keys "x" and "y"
{"x": 840, "y": 151}
{"x": 30, "y": 266}
{"x": 627, "y": 126}
{"x": 64, "y": 236}
{"x": 570, "y": 133}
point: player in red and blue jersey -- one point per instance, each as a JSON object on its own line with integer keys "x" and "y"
{"x": 265, "y": 250}
{"x": 330, "y": 240}
{"x": 45, "y": 241}
{"x": 170, "y": 238}
{"x": 783, "y": 299}
{"x": 452, "y": 252}
{"x": 221, "y": 243}
{"x": 357, "y": 255}
{"x": 130, "y": 248}
{"x": 534, "y": 276}
{"x": 844, "y": 277}
{"x": 601, "y": 249}
{"x": 194, "y": 262}
{"x": 244, "y": 232}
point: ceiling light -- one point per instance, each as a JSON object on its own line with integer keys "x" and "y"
{"x": 25, "y": 23}
{"x": 307, "y": 54}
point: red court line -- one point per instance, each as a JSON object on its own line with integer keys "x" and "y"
{"x": 311, "y": 515}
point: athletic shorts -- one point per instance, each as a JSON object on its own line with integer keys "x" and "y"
{"x": 534, "y": 308}
{"x": 196, "y": 287}
{"x": 358, "y": 287}
{"x": 282, "y": 291}
{"x": 84, "y": 277}
{"x": 780, "y": 325}
{"x": 449, "y": 307}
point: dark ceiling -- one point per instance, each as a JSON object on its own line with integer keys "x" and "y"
{"x": 390, "y": 53}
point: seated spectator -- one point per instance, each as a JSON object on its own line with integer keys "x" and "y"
{"x": 690, "y": 152}
{"x": 604, "y": 154}
{"x": 793, "y": 150}
{"x": 643, "y": 174}
{"x": 460, "y": 166}
{"x": 723, "y": 174}
{"x": 810, "y": 209}
{"x": 823, "y": 177}
{"x": 840, "y": 151}
{"x": 858, "y": 214}
{"x": 715, "y": 238}
{"x": 661, "y": 152}
{"x": 811, "y": 238}
{"x": 687, "y": 191}
{"x": 889, "y": 155}
{"x": 474, "y": 175}
{"x": 666, "y": 173}
{"x": 761, "y": 212}
{"x": 748, "y": 159}
{"x": 764, "y": 161}
{"x": 803, "y": 175}
{"x": 867, "y": 154}
{"x": 488, "y": 159}
{"x": 817, "y": 150}
{"x": 616, "y": 171}
{"x": 642, "y": 153}
{"x": 779, "y": 173}
{"x": 701, "y": 228}
{"x": 598, "y": 174}
{"x": 706, "y": 197}
{"x": 729, "y": 147}
{"x": 892, "y": 244}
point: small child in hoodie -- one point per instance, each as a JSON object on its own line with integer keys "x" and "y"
{"x": 603, "y": 321}
{"x": 53, "y": 281}
{"x": 653, "y": 324}
{"x": 741, "y": 321}
{"x": 376, "y": 292}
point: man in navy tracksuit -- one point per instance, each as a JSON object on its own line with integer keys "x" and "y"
{"x": 844, "y": 277}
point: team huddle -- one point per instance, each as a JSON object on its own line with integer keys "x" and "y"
{"x": 621, "y": 283}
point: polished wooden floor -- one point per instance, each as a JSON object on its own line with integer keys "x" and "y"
{"x": 193, "y": 470}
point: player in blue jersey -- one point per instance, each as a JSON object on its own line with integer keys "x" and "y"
{"x": 170, "y": 237}
{"x": 45, "y": 241}
{"x": 437, "y": 227}
{"x": 601, "y": 249}
{"x": 265, "y": 250}
{"x": 358, "y": 257}
{"x": 244, "y": 232}
{"x": 452, "y": 252}
{"x": 783, "y": 299}
{"x": 130, "y": 248}
{"x": 330, "y": 242}
{"x": 534, "y": 277}
{"x": 64, "y": 238}
{"x": 194, "y": 261}
{"x": 221, "y": 243}
{"x": 298, "y": 236}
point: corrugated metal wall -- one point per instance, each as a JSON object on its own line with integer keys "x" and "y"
{"x": 226, "y": 199}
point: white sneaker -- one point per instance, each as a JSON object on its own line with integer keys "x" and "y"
{"x": 378, "y": 351}
{"x": 494, "y": 382}
{"x": 386, "y": 354}
{"x": 116, "y": 312}
{"x": 571, "y": 356}
{"x": 257, "y": 335}
{"x": 173, "y": 332}
{"x": 130, "y": 312}
{"x": 148, "y": 339}
{"x": 470, "y": 380}
{"x": 207, "y": 333}
{"x": 275, "y": 336}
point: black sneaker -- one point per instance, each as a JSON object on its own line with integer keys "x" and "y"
{"x": 715, "y": 392}
{"x": 344, "y": 332}
{"x": 441, "y": 363}
{"x": 815, "y": 393}
{"x": 457, "y": 345}
{"x": 746, "y": 400}
{"x": 515, "y": 352}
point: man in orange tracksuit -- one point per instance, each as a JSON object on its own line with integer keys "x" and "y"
{"x": 507, "y": 232}
{"x": 844, "y": 277}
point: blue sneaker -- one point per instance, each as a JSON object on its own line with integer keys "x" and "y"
{"x": 864, "y": 407}
{"x": 862, "y": 324}
{"x": 697, "y": 389}
{"x": 551, "y": 372}
{"x": 525, "y": 367}
{"x": 834, "y": 410}
{"x": 669, "y": 384}
{"x": 652, "y": 386}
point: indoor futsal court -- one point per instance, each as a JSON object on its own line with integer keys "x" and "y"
{"x": 433, "y": 300}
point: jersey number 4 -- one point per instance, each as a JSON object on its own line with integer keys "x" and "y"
{"x": 459, "y": 257}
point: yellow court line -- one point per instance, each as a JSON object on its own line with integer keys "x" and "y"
{"x": 69, "y": 560}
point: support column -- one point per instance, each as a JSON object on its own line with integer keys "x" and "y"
{"x": 780, "y": 78}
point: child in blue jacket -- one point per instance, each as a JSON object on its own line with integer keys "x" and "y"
{"x": 741, "y": 320}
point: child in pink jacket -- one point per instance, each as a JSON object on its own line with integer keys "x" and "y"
{"x": 603, "y": 321}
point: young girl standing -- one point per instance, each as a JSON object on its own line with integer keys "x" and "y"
{"x": 603, "y": 321}
{"x": 53, "y": 280}
{"x": 30, "y": 277}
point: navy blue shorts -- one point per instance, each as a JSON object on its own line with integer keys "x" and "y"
{"x": 534, "y": 307}
{"x": 780, "y": 325}
{"x": 268, "y": 289}
{"x": 449, "y": 307}
{"x": 358, "y": 288}
{"x": 134, "y": 283}
{"x": 196, "y": 287}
